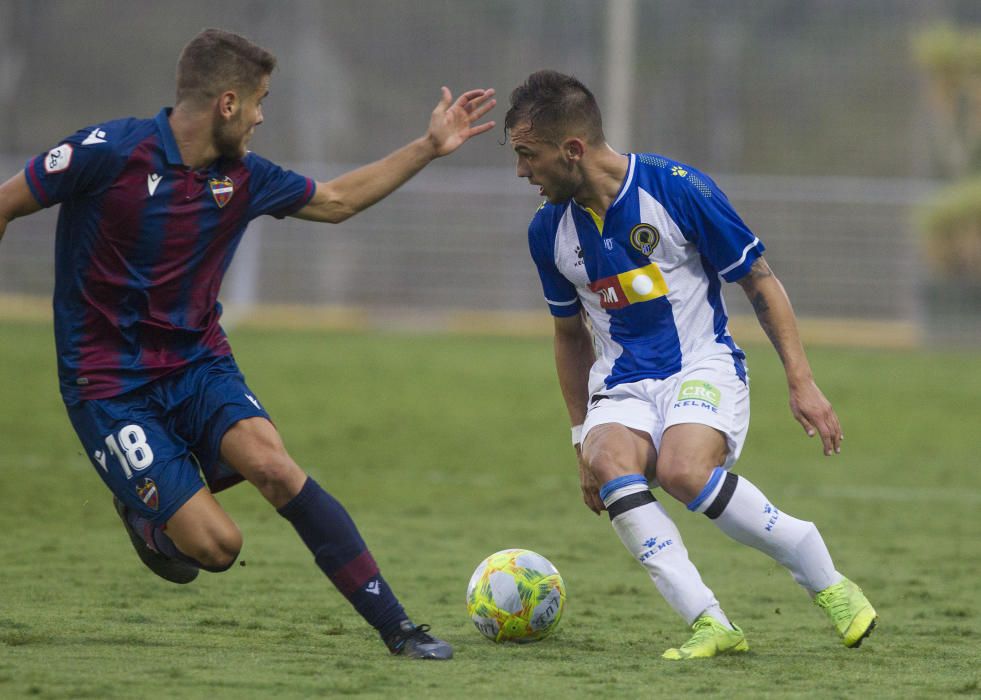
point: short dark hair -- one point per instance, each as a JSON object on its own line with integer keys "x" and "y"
{"x": 216, "y": 60}
{"x": 553, "y": 104}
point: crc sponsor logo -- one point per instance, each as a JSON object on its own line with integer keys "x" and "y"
{"x": 697, "y": 390}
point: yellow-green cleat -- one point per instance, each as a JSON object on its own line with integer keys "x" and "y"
{"x": 711, "y": 638}
{"x": 850, "y": 611}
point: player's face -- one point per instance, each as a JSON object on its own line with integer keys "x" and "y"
{"x": 544, "y": 164}
{"x": 232, "y": 136}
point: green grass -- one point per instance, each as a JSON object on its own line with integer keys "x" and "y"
{"x": 446, "y": 449}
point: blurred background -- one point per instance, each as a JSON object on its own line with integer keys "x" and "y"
{"x": 846, "y": 133}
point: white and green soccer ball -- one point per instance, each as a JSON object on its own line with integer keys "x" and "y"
{"x": 516, "y": 595}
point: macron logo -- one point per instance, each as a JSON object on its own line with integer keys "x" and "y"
{"x": 152, "y": 180}
{"x": 97, "y": 136}
{"x": 374, "y": 588}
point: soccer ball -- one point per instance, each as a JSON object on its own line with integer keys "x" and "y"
{"x": 515, "y": 595}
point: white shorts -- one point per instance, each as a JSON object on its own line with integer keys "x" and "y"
{"x": 708, "y": 392}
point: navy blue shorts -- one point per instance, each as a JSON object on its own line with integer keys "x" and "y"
{"x": 151, "y": 445}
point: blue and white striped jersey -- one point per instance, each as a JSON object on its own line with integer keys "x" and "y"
{"x": 649, "y": 275}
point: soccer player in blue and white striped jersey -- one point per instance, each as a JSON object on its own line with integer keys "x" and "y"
{"x": 632, "y": 250}
{"x": 152, "y": 211}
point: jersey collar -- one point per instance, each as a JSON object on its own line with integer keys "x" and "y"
{"x": 624, "y": 187}
{"x": 626, "y": 181}
{"x": 167, "y": 137}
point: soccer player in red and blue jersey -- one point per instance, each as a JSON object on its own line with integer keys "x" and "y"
{"x": 152, "y": 211}
{"x": 632, "y": 250}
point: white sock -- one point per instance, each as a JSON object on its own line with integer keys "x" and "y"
{"x": 741, "y": 511}
{"x": 652, "y": 538}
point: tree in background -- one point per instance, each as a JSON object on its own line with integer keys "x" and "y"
{"x": 951, "y": 221}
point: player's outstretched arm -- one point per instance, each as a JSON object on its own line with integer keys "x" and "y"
{"x": 451, "y": 124}
{"x": 15, "y": 200}
{"x": 776, "y": 316}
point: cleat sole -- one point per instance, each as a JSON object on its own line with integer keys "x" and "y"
{"x": 865, "y": 634}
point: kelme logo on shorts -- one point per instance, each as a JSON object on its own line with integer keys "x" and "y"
{"x": 697, "y": 390}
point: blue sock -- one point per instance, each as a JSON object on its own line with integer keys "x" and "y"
{"x": 329, "y": 532}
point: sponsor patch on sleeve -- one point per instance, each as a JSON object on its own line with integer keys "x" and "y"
{"x": 58, "y": 159}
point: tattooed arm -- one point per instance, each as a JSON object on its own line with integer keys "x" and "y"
{"x": 776, "y": 316}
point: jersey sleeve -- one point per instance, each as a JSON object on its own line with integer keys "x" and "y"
{"x": 276, "y": 191}
{"x": 719, "y": 233}
{"x": 560, "y": 293}
{"x": 80, "y": 165}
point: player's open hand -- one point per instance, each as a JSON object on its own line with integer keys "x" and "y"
{"x": 813, "y": 411}
{"x": 452, "y": 123}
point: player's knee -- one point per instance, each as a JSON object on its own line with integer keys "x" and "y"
{"x": 682, "y": 476}
{"x": 219, "y": 550}
{"x": 219, "y": 564}
{"x": 605, "y": 464}
{"x": 221, "y": 556}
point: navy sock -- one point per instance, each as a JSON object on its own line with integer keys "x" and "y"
{"x": 329, "y": 532}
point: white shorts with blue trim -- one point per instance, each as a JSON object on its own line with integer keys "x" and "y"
{"x": 708, "y": 392}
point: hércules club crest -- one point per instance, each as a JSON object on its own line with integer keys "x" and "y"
{"x": 222, "y": 189}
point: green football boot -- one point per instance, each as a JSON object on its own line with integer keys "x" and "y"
{"x": 850, "y": 611}
{"x": 711, "y": 638}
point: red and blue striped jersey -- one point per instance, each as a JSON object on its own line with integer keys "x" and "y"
{"x": 142, "y": 245}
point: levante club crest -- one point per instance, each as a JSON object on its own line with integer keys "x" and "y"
{"x": 222, "y": 188}
{"x": 147, "y": 491}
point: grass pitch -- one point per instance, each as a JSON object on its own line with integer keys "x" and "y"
{"x": 446, "y": 449}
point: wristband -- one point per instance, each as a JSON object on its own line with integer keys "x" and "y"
{"x": 576, "y": 434}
